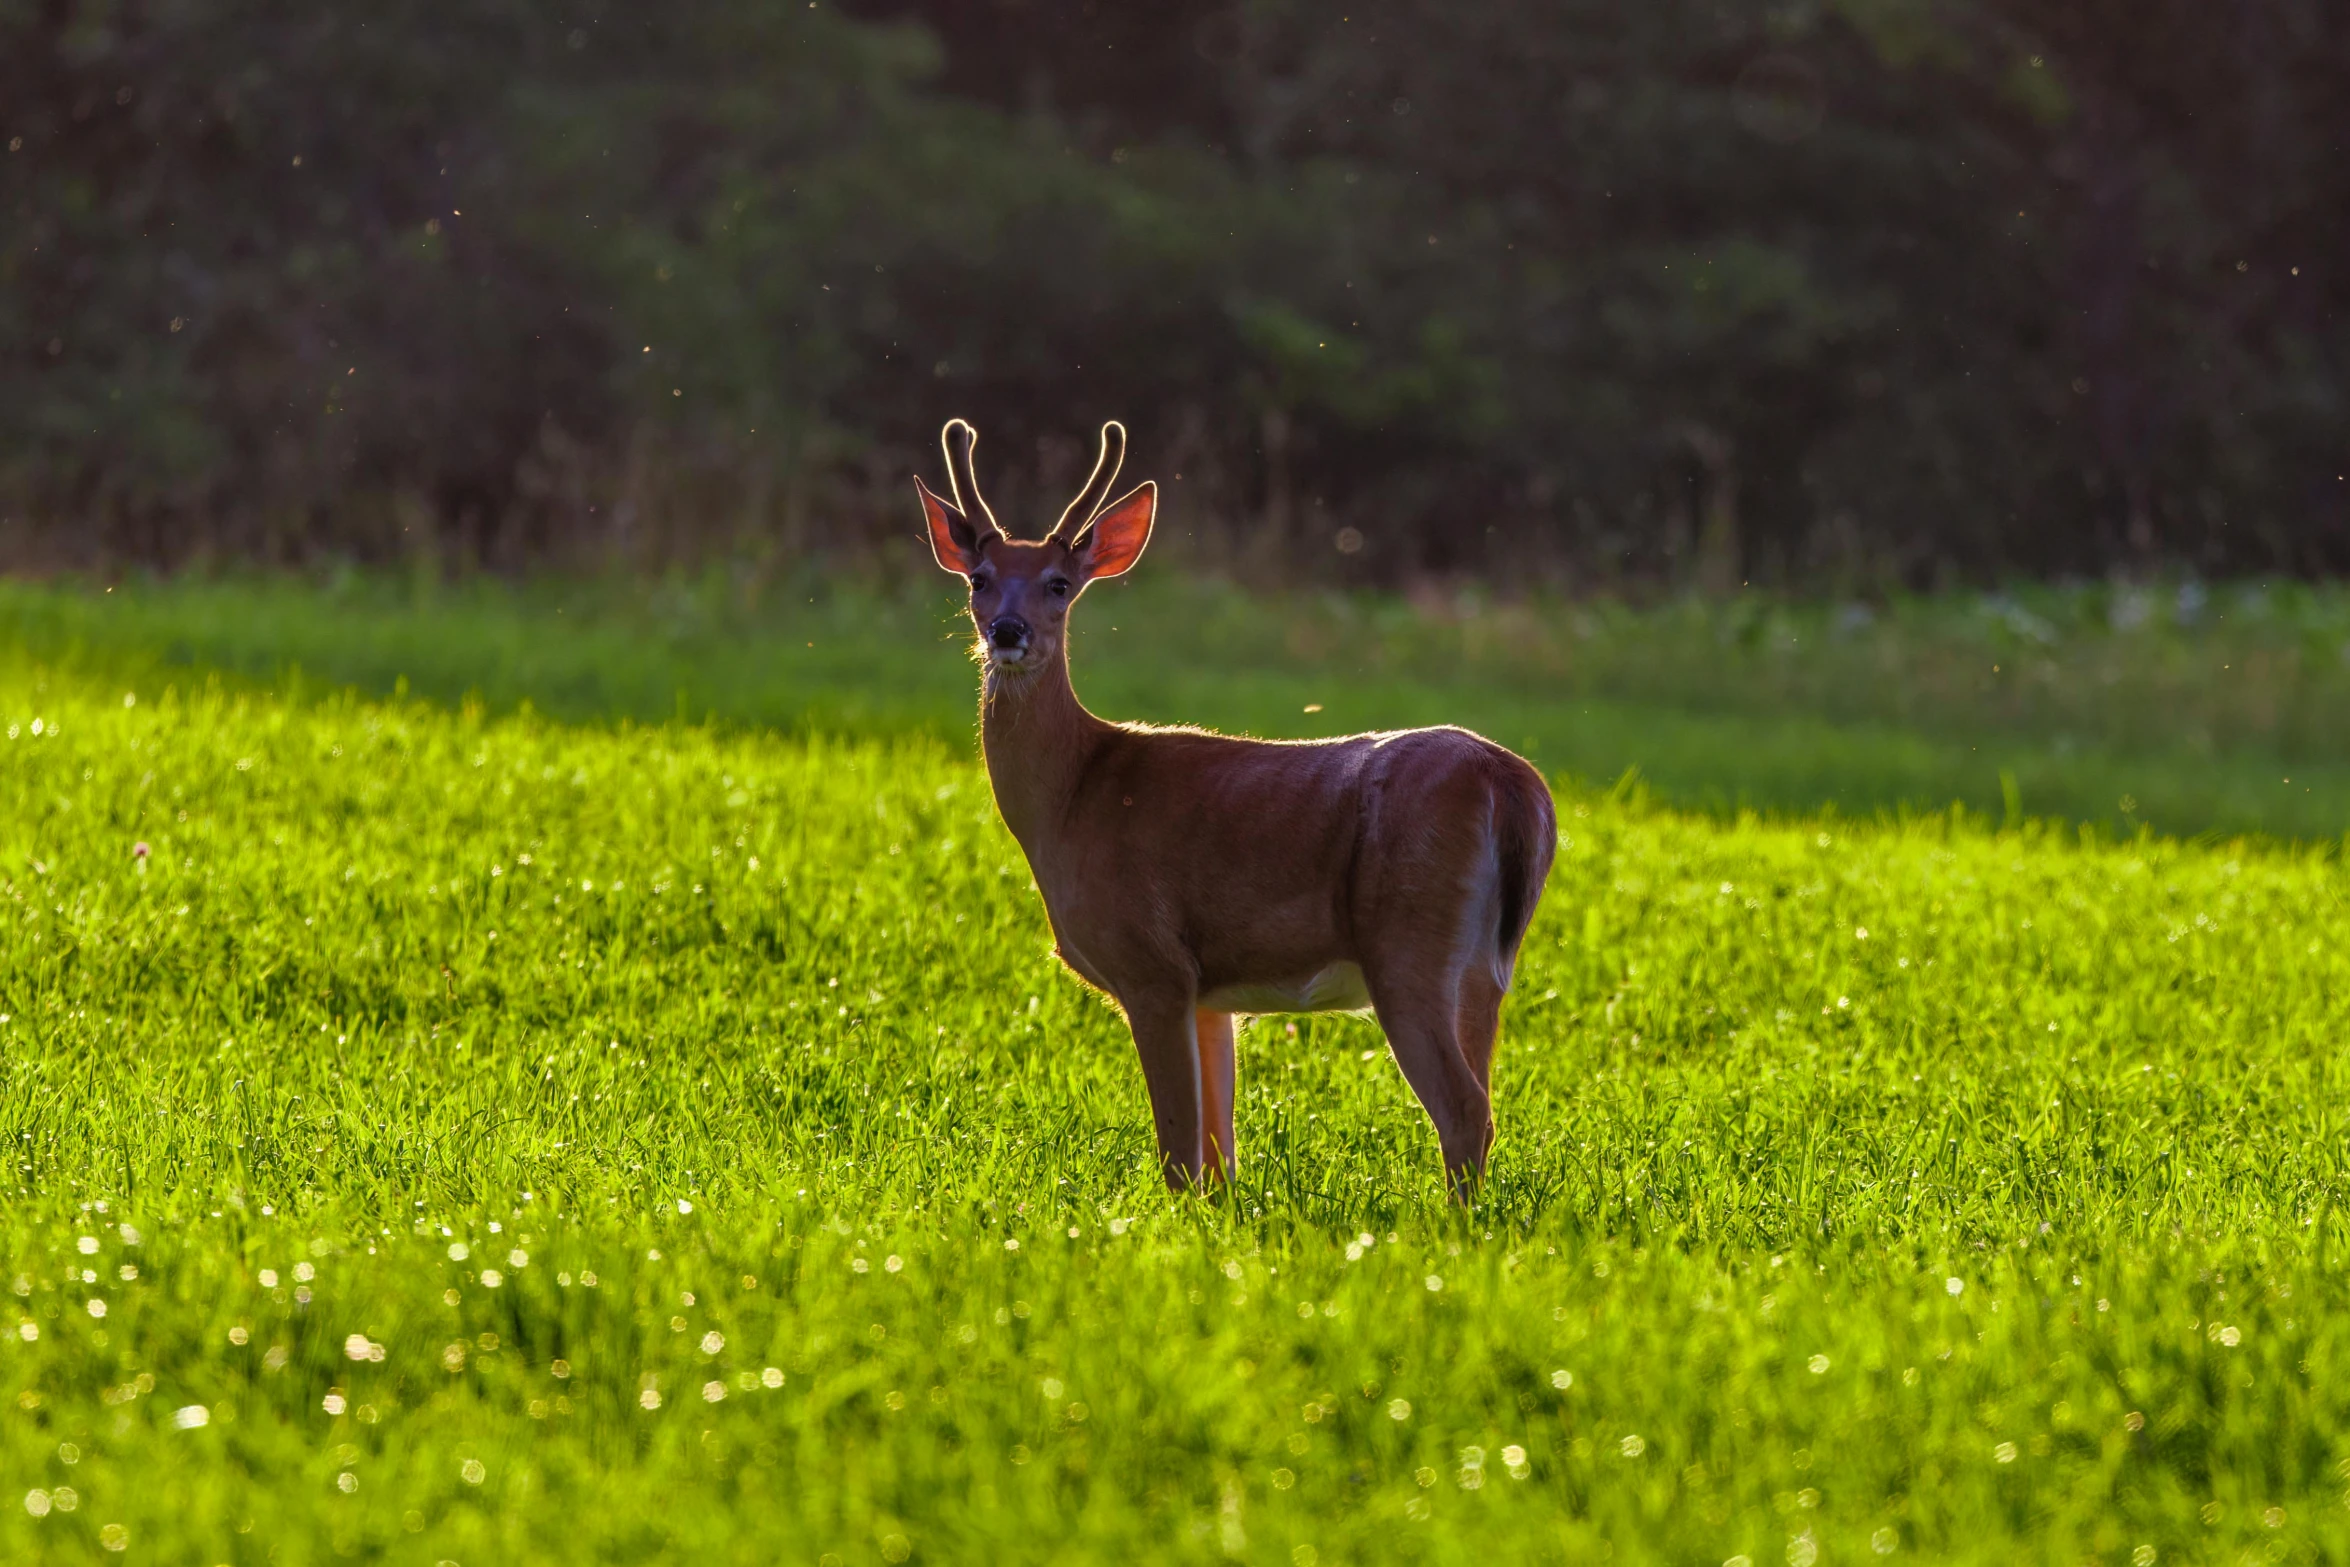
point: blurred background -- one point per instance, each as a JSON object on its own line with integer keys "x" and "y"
{"x": 1852, "y": 296}
{"x": 1864, "y": 403}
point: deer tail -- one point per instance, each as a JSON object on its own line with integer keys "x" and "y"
{"x": 1525, "y": 838}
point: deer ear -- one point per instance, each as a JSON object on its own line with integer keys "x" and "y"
{"x": 952, "y": 538}
{"x": 1113, "y": 541}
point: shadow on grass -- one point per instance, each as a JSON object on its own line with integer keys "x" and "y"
{"x": 1713, "y": 710}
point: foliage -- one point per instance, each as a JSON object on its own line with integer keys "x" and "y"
{"x": 1873, "y": 293}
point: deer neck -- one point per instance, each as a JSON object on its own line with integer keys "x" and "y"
{"x": 1036, "y": 736}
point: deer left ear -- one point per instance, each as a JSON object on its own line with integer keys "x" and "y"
{"x": 1113, "y": 541}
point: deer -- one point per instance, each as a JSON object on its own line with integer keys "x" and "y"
{"x": 1191, "y": 876}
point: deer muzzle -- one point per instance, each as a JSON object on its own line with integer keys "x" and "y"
{"x": 1007, "y": 636}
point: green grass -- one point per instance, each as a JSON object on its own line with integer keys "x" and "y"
{"x": 587, "y": 1071}
{"x": 2186, "y": 711}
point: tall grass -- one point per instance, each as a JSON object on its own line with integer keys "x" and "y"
{"x": 696, "y": 1125}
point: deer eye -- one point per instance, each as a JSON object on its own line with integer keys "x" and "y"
{"x": 1058, "y": 587}
{"x": 978, "y": 586}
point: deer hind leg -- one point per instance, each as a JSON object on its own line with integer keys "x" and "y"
{"x": 1166, "y": 1037}
{"x": 1419, "y": 1007}
{"x": 1479, "y": 1022}
{"x": 1217, "y": 1084}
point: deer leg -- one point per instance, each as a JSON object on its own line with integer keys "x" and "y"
{"x": 1166, "y": 1037}
{"x": 1423, "y": 1033}
{"x": 1217, "y": 1079}
{"x": 1480, "y": 1023}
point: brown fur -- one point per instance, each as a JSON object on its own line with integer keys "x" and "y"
{"x": 1185, "y": 872}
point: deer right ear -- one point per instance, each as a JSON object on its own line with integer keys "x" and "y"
{"x": 952, "y": 538}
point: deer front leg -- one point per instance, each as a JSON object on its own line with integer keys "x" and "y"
{"x": 1217, "y": 1085}
{"x": 1166, "y": 1037}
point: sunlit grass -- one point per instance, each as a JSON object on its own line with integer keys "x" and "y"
{"x": 697, "y": 1126}
{"x": 2186, "y": 710}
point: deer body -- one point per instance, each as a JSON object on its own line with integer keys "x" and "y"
{"x": 1191, "y": 876}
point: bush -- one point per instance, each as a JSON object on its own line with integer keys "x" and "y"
{"x": 1879, "y": 293}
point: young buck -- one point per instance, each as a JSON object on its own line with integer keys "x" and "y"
{"x": 1194, "y": 875}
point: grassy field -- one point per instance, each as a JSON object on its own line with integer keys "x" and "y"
{"x": 465, "y": 1137}
{"x": 2188, "y": 710}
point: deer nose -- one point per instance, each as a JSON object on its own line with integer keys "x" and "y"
{"x": 1008, "y": 632}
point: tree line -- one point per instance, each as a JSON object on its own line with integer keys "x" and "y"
{"x": 1856, "y": 294}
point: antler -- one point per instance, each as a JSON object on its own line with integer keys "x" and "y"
{"x": 1089, "y": 500}
{"x": 959, "y": 438}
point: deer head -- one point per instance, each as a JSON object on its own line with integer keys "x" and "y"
{"x": 1021, "y": 592}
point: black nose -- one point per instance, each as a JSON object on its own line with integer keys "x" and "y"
{"x": 1008, "y": 632}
